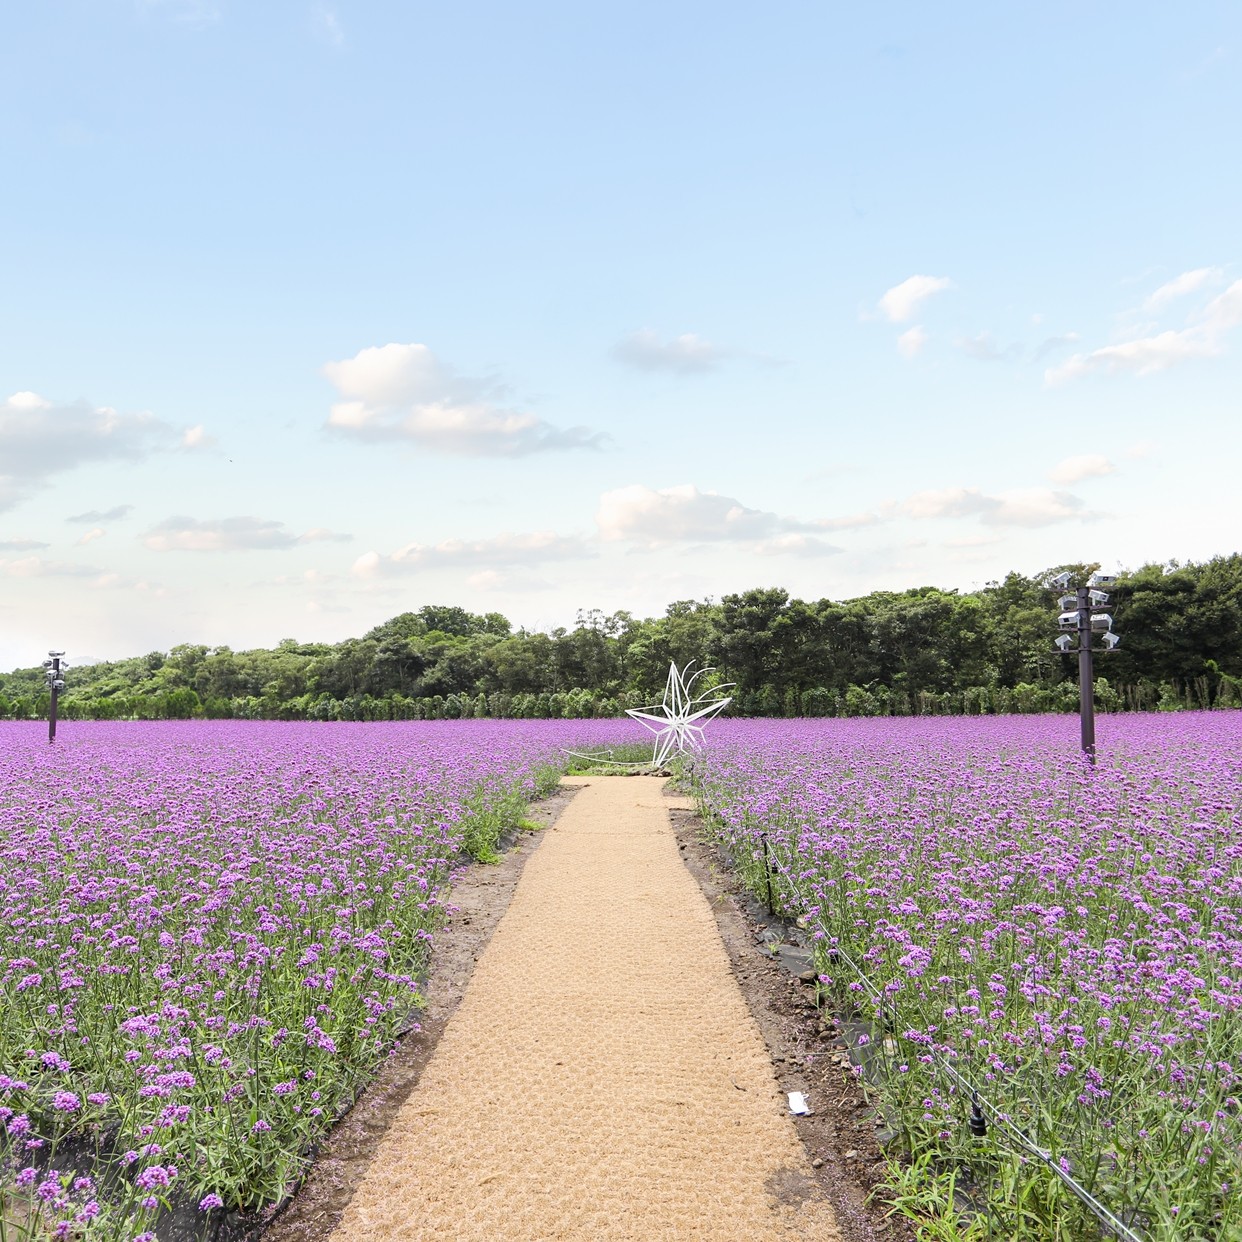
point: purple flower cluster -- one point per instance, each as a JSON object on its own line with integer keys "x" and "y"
{"x": 214, "y": 931}
{"x": 1068, "y": 939}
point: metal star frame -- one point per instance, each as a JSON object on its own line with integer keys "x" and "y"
{"x": 678, "y": 720}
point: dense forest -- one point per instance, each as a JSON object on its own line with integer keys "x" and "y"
{"x": 923, "y": 651}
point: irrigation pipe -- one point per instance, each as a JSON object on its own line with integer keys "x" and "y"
{"x": 616, "y": 763}
{"x": 998, "y": 1119}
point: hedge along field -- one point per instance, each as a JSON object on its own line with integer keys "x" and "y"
{"x": 1068, "y": 940}
{"x": 213, "y": 933}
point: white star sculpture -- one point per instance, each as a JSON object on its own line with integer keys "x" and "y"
{"x": 676, "y": 721}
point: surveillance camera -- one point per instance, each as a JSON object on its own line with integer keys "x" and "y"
{"x": 1111, "y": 640}
{"x": 58, "y": 684}
{"x": 1102, "y": 580}
{"x": 1101, "y": 621}
{"x": 1068, "y": 601}
{"x": 1068, "y": 620}
{"x": 1062, "y": 579}
{"x": 1098, "y": 597}
{"x": 1064, "y": 643}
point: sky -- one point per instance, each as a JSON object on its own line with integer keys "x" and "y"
{"x": 314, "y": 313}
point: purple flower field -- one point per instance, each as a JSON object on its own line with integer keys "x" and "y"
{"x": 212, "y": 935}
{"x": 214, "y": 931}
{"x": 1067, "y": 940}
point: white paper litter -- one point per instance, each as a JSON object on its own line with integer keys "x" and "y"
{"x": 798, "y": 1105}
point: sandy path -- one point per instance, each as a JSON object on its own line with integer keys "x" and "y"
{"x": 602, "y": 1078}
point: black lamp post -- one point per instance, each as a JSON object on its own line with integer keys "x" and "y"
{"x": 53, "y": 669}
{"x": 1086, "y": 614}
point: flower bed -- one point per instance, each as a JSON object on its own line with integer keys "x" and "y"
{"x": 1067, "y": 941}
{"x": 213, "y": 932}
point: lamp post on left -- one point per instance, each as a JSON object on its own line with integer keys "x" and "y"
{"x": 53, "y": 669}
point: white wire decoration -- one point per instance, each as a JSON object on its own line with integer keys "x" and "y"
{"x": 678, "y": 720}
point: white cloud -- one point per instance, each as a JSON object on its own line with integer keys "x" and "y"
{"x": 943, "y": 502}
{"x": 1030, "y": 506}
{"x": 851, "y": 522}
{"x": 902, "y": 301}
{"x": 327, "y": 26}
{"x": 93, "y": 516}
{"x": 392, "y": 374}
{"x": 794, "y": 544}
{"x": 39, "y": 439}
{"x": 1144, "y": 356}
{"x": 1083, "y": 466}
{"x": 508, "y": 580}
{"x": 37, "y": 567}
{"x": 652, "y": 517}
{"x": 1179, "y": 286}
{"x": 983, "y": 348}
{"x": 308, "y": 577}
{"x": 973, "y": 541}
{"x": 537, "y": 547}
{"x": 28, "y": 401}
{"x": 96, "y": 532}
{"x": 235, "y": 534}
{"x": 1158, "y": 351}
{"x": 21, "y": 545}
{"x": 686, "y": 354}
{"x": 1050, "y": 344}
{"x": 196, "y": 438}
{"x": 909, "y": 343}
{"x": 403, "y": 393}
{"x": 1225, "y": 310}
{"x": 119, "y": 582}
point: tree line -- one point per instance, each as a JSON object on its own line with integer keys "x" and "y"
{"x": 923, "y": 651}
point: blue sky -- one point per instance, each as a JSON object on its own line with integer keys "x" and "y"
{"x": 312, "y": 313}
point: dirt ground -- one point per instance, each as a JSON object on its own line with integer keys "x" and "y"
{"x": 840, "y": 1158}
